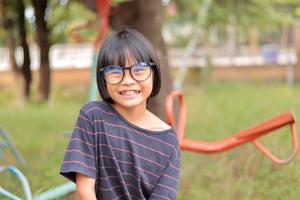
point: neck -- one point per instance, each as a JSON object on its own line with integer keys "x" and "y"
{"x": 134, "y": 114}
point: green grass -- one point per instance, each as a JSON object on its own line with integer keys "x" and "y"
{"x": 214, "y": 111}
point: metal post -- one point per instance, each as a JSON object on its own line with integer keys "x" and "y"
{"x": 297, "y": 46}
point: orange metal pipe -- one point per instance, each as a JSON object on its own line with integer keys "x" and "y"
{"x": 248, "y": 135}
{"x": 103, "y": 9}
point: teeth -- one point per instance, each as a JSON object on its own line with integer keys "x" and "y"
{"x": 129, "y": 92}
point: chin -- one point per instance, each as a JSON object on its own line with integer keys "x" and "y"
{"x": 132, "y": 103}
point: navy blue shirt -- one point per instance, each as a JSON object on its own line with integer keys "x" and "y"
{"x": 127, "y": 161}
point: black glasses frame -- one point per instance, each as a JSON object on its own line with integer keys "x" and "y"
{"x": 150, "y": 64}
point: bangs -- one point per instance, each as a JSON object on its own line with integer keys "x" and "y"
{"x": 127, "y": 54}
{"x": 123, "y": 47}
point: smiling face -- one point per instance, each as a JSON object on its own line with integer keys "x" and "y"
{"x": 129, "y": 93}
{"x": 125, "y": 48}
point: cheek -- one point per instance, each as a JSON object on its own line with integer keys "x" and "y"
{"x": 110, "y": 89}
{"x": 149, "y": 85}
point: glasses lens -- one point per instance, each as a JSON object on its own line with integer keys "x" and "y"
{"x": 113, "y": 74}
{"x": 140, "y": 71}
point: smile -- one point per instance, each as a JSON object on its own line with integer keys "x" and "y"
{"x": 129, "y": 92}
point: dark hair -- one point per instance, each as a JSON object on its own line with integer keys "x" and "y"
{"x": 116, "y": 49}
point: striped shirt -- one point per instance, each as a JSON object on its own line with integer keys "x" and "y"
{"x": 127, "y": 161}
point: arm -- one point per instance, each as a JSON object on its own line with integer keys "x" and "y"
{"x": 167, "y": 185}
{"x": 85, "y": 187}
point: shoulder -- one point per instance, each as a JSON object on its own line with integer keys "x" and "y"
{"x": 94, "y": 106}
{"x": 96, "y": 110}
{"x": 156, "y": 123}
{"x": 159, "y": 125}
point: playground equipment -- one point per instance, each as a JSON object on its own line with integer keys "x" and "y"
{"x": 53, "y": 193}
{"x": 6, "y": 142}
{"x": 248, "y": 135}
{"x": 103, "y": 10}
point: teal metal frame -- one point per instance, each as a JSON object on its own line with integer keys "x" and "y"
{"x": 53, "y": 193}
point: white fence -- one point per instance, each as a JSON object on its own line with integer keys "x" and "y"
{"x": 80, "y": 56}
{"x": 61, "y": 56}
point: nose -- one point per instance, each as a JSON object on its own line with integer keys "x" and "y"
{"x": 127, "y": 79}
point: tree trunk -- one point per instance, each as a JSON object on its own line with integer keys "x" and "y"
{"x": 26, "y": 72}
{"x": 44, "y": 44}
{"x": 11, "y": 44}
{"x": 151, "y": 27}
{"x": 147, "y": 17}
{"x": 7, "y": 25}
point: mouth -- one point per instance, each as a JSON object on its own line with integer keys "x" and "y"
{"x": 129, "y": 93}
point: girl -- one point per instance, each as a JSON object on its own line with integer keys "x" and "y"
{"x": 119, "y": 149}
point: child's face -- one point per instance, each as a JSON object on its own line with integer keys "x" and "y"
{"x": 130, "y": 93}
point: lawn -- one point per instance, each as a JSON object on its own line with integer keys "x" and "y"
{"x": 214, "y": 111}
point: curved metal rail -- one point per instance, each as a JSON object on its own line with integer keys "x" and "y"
{"x": 248, "y": 135}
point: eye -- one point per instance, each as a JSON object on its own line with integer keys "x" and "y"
{"x": 113, "y": 70}
{"x": 116, "y": 72}
{"x": 140, "y": 67}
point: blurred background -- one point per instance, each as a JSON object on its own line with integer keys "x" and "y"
{"x": 236, "y": 61}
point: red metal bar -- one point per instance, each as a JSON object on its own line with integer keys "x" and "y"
{"x": 248, "y": 135}
{"x": 103, "y": 9}
{"x": 265, "y": 151}
{"x": 182, "y": 117}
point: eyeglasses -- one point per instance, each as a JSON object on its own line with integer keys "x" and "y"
{"x": 114, "y": 74}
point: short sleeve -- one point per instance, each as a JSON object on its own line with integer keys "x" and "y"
{"x": 167, "y": 185}
{"x": 80, "y": 154}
